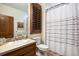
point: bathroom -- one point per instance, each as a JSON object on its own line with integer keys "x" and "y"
{"x": 43, "y": 29}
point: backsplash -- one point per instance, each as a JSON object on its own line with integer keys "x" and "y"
{"x": 2, "y": 41}
{"x": 5, "y": 40}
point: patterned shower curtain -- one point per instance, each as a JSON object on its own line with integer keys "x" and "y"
{"x": 62, "y": 29}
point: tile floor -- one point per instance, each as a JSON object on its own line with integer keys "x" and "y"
{"x": 49, "y": 53}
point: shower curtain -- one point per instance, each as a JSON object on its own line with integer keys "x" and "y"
{"x": 62, "y": 29}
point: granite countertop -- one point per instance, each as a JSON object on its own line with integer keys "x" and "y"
{"x": 12, "y": 46}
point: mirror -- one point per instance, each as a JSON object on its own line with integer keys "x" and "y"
{"x": 19, "y": 12}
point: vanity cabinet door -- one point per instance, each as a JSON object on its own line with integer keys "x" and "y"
{"x": 31, "y": 50}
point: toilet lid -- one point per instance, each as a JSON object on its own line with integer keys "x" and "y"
{"x": 42, "y": 46}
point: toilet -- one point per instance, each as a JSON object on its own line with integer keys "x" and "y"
{"x": 40, "y": 46}
{"x": 43, "y": 47}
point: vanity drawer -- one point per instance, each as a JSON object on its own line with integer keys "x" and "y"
{"x": 32, "y": 53}
{"x": 27, "y": 50}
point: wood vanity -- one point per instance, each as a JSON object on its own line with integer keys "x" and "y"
{"x": 24, "y": 51}
{"x": 27, "y": 49}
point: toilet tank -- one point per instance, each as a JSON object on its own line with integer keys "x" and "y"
{"x": 37, "y": 38}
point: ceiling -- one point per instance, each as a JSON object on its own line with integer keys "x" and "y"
{"x": 24, "y": 6}
{"x": 20, "y": 6}
{"x": 48, "y": 5}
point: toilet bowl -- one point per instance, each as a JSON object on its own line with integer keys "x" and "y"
{"x": 42, "y": 47}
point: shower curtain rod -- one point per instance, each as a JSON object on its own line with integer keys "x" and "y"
{"x": 61, "y": 4}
